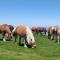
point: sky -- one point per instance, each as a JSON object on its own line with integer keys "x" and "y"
{"x": 30, "y": 12}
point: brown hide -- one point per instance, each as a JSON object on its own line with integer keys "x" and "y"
{"x": 49, "y": 29}
{"x": 58, "y": 31}
{"x": 10, "y": 27}
{"x": 52, "y": 31}
{"x": 21, "y": 30}
{"x": 5, "y": 28}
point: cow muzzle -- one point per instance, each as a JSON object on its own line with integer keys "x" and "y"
{"x": 34, "y": 45}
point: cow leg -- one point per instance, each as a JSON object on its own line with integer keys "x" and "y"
{"x": 15, "y": 36}
{"x": 37, "y": 32}
{"x": 58, "y": 38}
{"x": 45, "y": 32}
{"x": 20, "y": 41}
{"x": 4, "y": 37}
{"x": 40, "y": 32}
{"x": 25, "y": 43}
{"x": 49, "y": 36}
{"x": 52, "y": 36}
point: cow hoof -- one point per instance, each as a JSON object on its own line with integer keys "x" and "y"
{"x": 4, "y": 40}
{"x": 25, "y": 46}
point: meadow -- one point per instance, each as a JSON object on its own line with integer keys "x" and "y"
{"x": 45, "y": 50}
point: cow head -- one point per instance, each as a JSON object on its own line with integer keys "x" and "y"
{"x": 30, "y": 38}
{"x": 8, "y": 36}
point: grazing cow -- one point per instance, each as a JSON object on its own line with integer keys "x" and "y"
{"x": 52, "y": 31}
{"x": 39, "y": 30}
{"x": 5, "y": 30}
{"x": 26, "y": 33}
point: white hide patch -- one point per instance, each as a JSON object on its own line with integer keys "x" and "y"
{"x": 52, "y": 28}
{"x": 14, "y": 29}
{"x": 25, "y": 45}
{"x": 29, "y": 35}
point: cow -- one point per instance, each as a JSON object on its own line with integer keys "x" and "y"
{"x": 39, "y": 30}
{"x": 26, "y": 33}
{"x": 5, "y": 30}
{"x": 52, "y": 32}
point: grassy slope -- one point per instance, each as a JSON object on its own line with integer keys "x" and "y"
{"x": 46, "y": 50}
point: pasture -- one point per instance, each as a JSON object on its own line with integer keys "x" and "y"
{"x": 46, "y": 50}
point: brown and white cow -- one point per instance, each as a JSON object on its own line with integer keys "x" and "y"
{"x": 53, "y": 32}
{"x": 26, "y": 33}
{"x": 5, "y": 30}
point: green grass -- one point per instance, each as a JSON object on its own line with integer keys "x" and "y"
{"x": 46, "y": 50}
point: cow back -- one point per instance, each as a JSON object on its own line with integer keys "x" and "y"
{"x": 21, "y": 30}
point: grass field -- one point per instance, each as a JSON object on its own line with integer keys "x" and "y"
{"x": 46, "y": 50}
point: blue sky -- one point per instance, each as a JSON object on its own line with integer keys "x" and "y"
{"x": 30, "y": 12}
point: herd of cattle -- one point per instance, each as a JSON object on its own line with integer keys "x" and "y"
{"x": 26, "y": 34}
